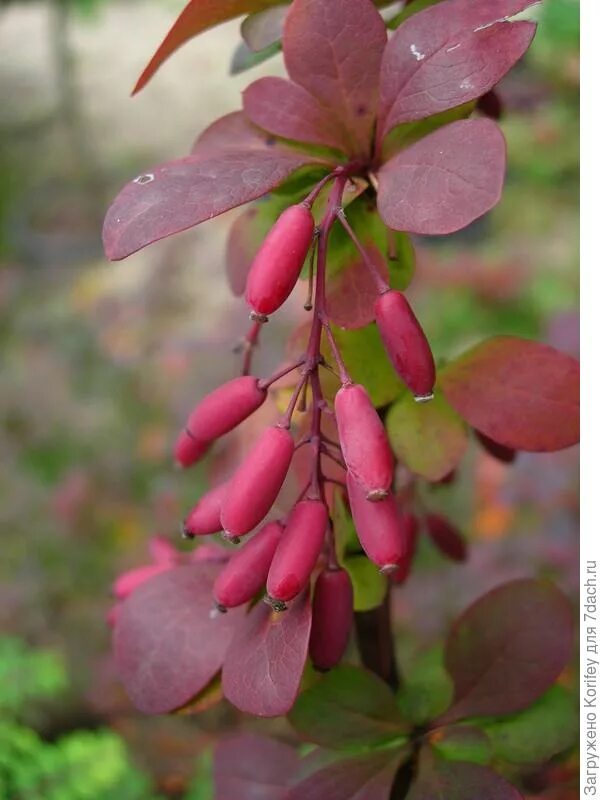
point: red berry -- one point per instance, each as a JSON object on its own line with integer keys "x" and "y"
{"x": 188, "y": 450}
{"x": 205, "y": 517}
{"x": 498, "y": 451}
{"x": 411, "y": 530}
{"x": 247, "y": 569}
{"x": 446, "y": 537}
{"x": 363, "y": 440}
{"x": 406, "y": 344}
{"x": 332, "y": 618}
{"x": 130, "y": 580}
{"x": 298, "y": 551}
{"x": 379, "y": 527}
{"x": 255, "y": 485}
{"x": 278, "y": 263}
{"x": 225, "y": 408}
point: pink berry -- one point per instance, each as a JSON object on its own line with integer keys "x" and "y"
{"x": 363, "y": 440}
{"x": 162, "y": 551}
{"x": 406, "y": 344}
{"x": 332, "y": 618}
{"x": 411, "y": 530}
{"x": 255, "y": 485}
{"x": 379, "y": 527}
{"x": 278, "y": 263}
{"x": 188, "y": 451}
{"x": 130, "y": 580}
{"x": 247, "y": 569}
{"x": 446, "y": 537}
{"x": 298, "y": 551}
{"x": 205, "y": 516}
{"x": 225, "y": 408}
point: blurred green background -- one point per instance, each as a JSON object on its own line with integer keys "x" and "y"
{"x": 101, "y": 362}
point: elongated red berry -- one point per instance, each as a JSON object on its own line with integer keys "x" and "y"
{"x": 406, "y": 344}
{"x": 363, "y": 440}
{"x": 298, "y": 551}
{"x": 255, "y": 485}
{"x": 379, "y": 527}
{"x": 278, "y": 263}
{"x": 411, "y": 531}
{"x": 188, "y": 451}
{"x": 446, "y": 537}
{"x": 225, "y": 408}
{"x": 332, "y": 618}
{"x": 129, "y": 581}
{"x": 247, "y": 569}
{"x": 162, "y": 551}
{"x": 205, "y": 516}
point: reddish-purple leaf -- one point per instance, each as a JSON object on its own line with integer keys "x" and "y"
{"x": 445, "y": 181}
{"x": 505, "y": 454}
{"x": 364, "y": 777}
{"x": 522, "y": 394}
{"x": 448, "y": 55}
{"x": 264, "y": 28}
{"x": 197, "y": 16}
{"x": 507, "y": 649}
{"x": 438, "y": 779}
{"x": 287, "y": 109}
{"x": 263, "y": 666}
{"x": 251, "y": 767}
{"x": 334, "y": 51}
{"x": 352, "y": 291}
{"x": 180, "y": 194}
{"x": 233, "y": 132}
{"x": 446, "y": 537}
{"x": 167, "y": 645}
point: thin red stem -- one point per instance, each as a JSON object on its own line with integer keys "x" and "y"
{"x": 382, "y": 286}
{"x": 249, "y": 344}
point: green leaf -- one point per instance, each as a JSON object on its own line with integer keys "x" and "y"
{"x": 550, "y": 726}
{"x": 462, "y": 743}
{"x": 429, "y": 438}
{"x": 368, "y": 364}
{"x": 346, "y": 539}
{"x": 349, "y": 708}
{"x": 427, "y": 688}
{"x": 413, "y": 8}
{"x": 409, "y": 132}
{"x": 244, "y": 58}
{"x": 368, "y": 584}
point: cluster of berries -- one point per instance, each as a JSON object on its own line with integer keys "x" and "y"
{"x": 284, "y": 554}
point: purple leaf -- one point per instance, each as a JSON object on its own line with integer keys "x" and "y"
{"x": 263, "y": 666}
{"x": 264, "y": 28}
{"x": 286, "y": 109}
{"x": 448, "y": 55}
{"x": 364, "y": 777}
{"x": 334, "y": 51}
{"x": 352, "y": 291}
{"x": 438, "y": 779}
{"x": 167, "y": 645}
{"x": 507, "y": 649}
{"x": 521, "y": 394}
{"x": 443, "y": 182}
{"x": 234, "y": 132}
{"x": 251, "y": 767}
{"x": 179, "y": 194}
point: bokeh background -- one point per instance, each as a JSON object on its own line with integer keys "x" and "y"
{"x": 100, "y": 363}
